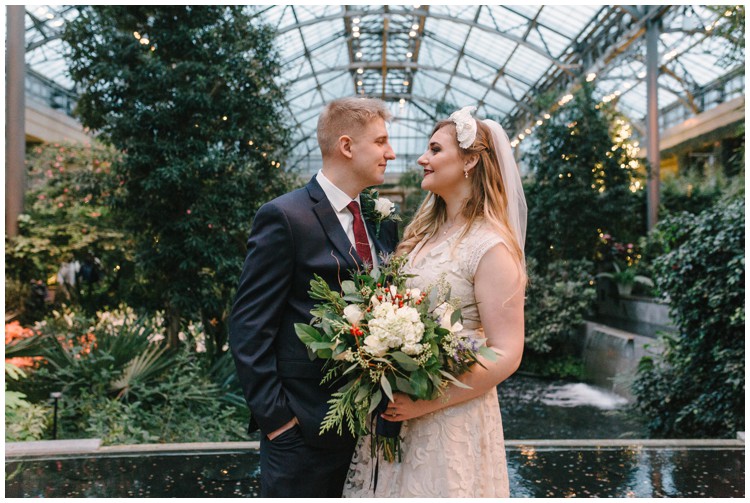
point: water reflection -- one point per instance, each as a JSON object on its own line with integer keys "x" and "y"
{"x": 534, "y": 472}
{"x": 626, "y": 472}
{"x": 177, "y": 476}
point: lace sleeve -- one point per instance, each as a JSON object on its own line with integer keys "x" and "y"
{"x": 476, "y": 249}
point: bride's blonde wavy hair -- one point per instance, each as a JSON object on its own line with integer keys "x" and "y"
{"x": 487, "y": 199}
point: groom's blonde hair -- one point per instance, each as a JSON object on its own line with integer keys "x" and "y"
{"x": 347, "y": 116}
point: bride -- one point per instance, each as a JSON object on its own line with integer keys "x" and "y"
{"x": 469, "y": 230}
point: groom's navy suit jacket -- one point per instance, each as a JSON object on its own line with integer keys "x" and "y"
{"x": 293, "y": 237}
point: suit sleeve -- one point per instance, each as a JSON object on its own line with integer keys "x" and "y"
{"x": 257, "y": 314}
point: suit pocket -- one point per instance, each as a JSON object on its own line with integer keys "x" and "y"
{"x": 290, "y": 437}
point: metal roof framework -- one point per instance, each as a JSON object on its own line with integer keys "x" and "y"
{"x": 515, "y": 63}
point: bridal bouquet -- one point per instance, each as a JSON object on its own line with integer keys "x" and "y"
{"x": 378, "y": 336}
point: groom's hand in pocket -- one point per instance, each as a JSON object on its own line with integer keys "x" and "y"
{"x": 286, "y": 427}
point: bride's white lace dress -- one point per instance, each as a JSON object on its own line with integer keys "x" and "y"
{"x": 456, "y": 451}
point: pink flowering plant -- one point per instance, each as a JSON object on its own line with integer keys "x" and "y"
{"x": 378, "y": 336}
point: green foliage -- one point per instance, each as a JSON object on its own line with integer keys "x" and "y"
{"x": 23, "y": 420}
{"x": 731, "y": 26}
{"x": 189, "y": 94}
{"x": 696, "y": 388}
{"x": 581, "y": 177}
{"x": 67, "y": 218}
{"x": 411, "y": 180}
{"x": 119, "y": 382}
{"x": 557, "y": 298}
{"x": 694, "y": 190}
{"x": 557, "y": 366}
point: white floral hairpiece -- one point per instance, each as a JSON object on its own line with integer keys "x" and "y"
{"x": 466, "y": 126}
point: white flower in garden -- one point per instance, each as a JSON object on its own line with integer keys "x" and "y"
{"x": 353, "y": 314}
{"x": 200, "y": 346}
{"x": 384, "y": 207}
{"x": 414, "y": 293}
{"x": 156, "y": 337}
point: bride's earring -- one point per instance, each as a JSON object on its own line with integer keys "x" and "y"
{"x": 466, "y": 173}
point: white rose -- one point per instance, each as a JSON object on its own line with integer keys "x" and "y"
{"x": 445, "y": 318}
{"x": 384, "y": 207}
{"x": 353, "y": 314}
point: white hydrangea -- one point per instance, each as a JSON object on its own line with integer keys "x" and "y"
{"x": 394, "y": 327}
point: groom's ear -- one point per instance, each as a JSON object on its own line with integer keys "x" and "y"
{"x": 471, "y": 161}
{"x": 345, "y": 146}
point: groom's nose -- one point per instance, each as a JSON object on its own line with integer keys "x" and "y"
{"x": 389, "y": 153}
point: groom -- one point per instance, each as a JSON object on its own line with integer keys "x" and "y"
{"x": 312, "y": 230}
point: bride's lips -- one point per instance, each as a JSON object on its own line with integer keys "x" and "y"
{"x": 427, "y": 172}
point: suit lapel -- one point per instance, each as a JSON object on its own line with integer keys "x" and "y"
{"x": 379, "y": 247}
{"x": 331, "y": 224}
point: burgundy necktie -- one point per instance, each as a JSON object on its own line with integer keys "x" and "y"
{"x": 360, "y": 234}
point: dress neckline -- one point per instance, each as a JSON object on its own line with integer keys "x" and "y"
{"x": 432, "y": 250}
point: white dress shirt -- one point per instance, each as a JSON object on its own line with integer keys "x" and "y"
{"x": 339, "y": 199}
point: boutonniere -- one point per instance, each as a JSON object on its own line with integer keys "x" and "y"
{"x": 377, "y": 209}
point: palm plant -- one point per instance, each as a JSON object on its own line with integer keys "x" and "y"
{"x": 625, "y": 278}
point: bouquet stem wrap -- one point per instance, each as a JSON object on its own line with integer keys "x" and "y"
{"x": 387, "y": 433}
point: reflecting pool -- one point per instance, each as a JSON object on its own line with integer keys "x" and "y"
{"x": 560, "y": 444}
{"x": 534, "y": 472}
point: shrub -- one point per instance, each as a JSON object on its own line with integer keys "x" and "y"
{"x": 23, "y": 419}
{"x": 556, "y": 301}
{"x": 696, "y": 387}
{"x": 122, "y": 384}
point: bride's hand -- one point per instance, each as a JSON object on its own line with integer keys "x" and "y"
{"x": 403, "y": 408}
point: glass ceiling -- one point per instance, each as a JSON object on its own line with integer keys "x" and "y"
{"x": 425, "y": 58}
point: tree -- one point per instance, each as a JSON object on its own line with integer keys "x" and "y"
{"x": 188, "y": 94}
{"x": 730, "y": 25}
{"x": 585, "y": 182}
